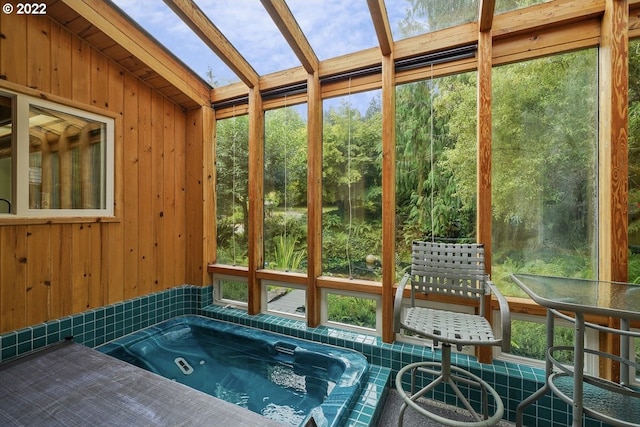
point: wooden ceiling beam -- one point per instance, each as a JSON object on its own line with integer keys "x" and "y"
{"x": 124, "y": 33}
{"x": 487, "y": 8}
{"x": 195, "y": 19}
{"x": 288, "y": 26}
{"x": 380, "y": 19}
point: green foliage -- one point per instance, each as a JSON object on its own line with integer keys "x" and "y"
{"x": 235, "y": 291}
{"x": 232, "y": 191}
{"x": 529, "y": 340}
{"x": 286, "y": 257}
{"x": 352, "y": 310}
{"x": 634, "y": 148}
{"x": 352, "y": 188}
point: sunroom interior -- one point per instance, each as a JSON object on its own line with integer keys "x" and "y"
{"x": 281, "y": 185}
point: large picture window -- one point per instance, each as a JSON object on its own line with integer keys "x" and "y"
{"x": 352, "y": 186}
{"x": 54, "y": 160}
{"x": 544, "y": 157}
{"x": 285, "y": 189}
{"x": 232, "y": 190}
{"x": 436, "y": 152}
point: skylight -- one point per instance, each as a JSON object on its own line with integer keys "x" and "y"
{"x": 335, "y": 27}
{"x": 167, "y": 28}
{"x": 248, "y": 26}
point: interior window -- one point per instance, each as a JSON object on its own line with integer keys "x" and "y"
{"x": 6, "y": 153}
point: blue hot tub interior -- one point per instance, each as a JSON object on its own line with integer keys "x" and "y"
{"x": 282, "y": 378}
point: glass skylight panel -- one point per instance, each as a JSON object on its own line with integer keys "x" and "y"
{"x": 166, "y": 27}
{"x": 409, "y": 18}
{"x": 335, "y": 27}
{"x": 509, "y": 5}
{"x": 249, "y": 28}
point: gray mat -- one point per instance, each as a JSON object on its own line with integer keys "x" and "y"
{"x": 72, "y": 385}
{"x": 412, "y": 418}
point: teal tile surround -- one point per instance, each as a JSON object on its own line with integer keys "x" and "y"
{"x": 94, "y": 327}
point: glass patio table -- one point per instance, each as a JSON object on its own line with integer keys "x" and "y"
{"x": 614, "y": 402}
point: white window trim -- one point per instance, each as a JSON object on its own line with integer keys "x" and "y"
{"x": 20, "y": 202}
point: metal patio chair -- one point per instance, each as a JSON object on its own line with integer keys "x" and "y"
{"x": 452, "y": 270}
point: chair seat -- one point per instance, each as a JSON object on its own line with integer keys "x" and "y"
{"x": 449, "y": 326}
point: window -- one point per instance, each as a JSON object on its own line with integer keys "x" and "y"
{"x": 634, "y": 162}
{"x": 232, "y": 190}
{"x": 544, "y": 155}
{"x": 436, "y": 152}
{"x": 285, "y": 189}
{"x": 54, "y": 160}
{"x": 352, "y": 187}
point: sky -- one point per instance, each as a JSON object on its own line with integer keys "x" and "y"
{"x": 333, "y": 28}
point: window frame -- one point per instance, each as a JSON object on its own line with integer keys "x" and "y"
{"x": 20, "y": 169}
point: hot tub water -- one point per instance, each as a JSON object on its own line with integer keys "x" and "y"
{"x": 282, "y": 378}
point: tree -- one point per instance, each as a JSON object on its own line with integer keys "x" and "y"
{"x": 232, "y": 191}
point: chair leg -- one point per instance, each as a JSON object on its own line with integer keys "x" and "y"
{"x": 446, "y": 373}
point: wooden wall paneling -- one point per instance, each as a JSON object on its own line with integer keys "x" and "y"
{"x": 170, "y": 189}
{"x": 388, "y": 195}
{"x": 13, "y": 277}
{"x": 61, "y": 72}
{"x": 145, "y": 191}
{"x": 130, "y": 174}
{"x": 61, "y": 278}
{"x": 81, "y": 267}
{"x": 38, "y": 51}
{"x": 99, "y": 80}
{"x": 81, "y": 71}
{"x": 157, "y": 188}
{"x": 193, "y": 202}
{"x": 96, "y": 284}
{"x": 38, "y": 273}
{"x": 13, "y": 46}
{"x": 113, "y": 234}
{"x": 181, "y": 212}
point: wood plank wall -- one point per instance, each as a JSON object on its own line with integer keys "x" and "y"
{"x": 49, "y": 270}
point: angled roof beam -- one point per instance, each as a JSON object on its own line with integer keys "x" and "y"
{"x": 106, "y": 19}
{"x": 380, "y": 19}
{"x": 485, "y": 22}
{"x": 288, "y": 26}
{"x": 195, "y": 19}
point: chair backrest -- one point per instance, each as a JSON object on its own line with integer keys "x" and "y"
{"x": 448, "y": 268}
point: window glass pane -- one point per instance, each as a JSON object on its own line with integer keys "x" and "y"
{"x": 634, "y": 161}
{"x": 286, "y": 300}
{"x": 347, "y": 24}
{"x": 436, "y": 154}
{"x": 285, "y": 189}
{"x": 529, "y": 340}
{"x": 232, "y": 191}
{"x": 6, "y": 153}
{"x": 352, "y": 186}
{"x": 544, "y": 168}
{"x": 414, "y": 17}
{"x": 354, "y": 311}
{"x": 233, "y": 291}
{"x": 67, "y": 164}
{"x": 509, "y": 5}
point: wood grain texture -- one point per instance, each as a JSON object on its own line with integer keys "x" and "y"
{"x": 52, "y": 267}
